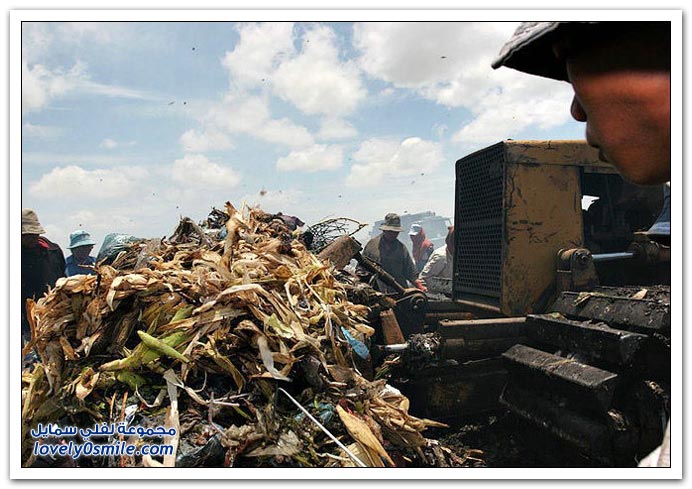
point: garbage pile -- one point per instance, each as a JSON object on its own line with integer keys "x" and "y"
{"x": 240, "y": 348}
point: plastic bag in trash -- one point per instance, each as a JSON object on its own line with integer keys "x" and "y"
{"x": 113, "y": 244}
{"x": 358, "y": 346}
{"x": 210, "y": 454}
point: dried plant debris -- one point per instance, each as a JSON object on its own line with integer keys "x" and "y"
{"x": 197, "y": 333}
{"x": 318, "y": 236}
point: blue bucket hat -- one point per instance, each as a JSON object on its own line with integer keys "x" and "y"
{"x": 80, "y": 238}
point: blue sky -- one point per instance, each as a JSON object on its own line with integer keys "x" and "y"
{"x": 127, "y": 126}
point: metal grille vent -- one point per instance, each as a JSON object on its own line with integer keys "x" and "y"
{"x": 478, "y": 223}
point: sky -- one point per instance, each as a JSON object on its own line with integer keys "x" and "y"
{"x": 127, "y": 126}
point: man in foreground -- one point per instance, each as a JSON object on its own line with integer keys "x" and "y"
{"x": 620, "y": 73}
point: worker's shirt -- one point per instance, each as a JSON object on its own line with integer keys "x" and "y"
{"x": 439, "y": 265}
{"x": 42, "y": 266}
{"x": 74, "y": 268}
{"x": 394, "y": 258}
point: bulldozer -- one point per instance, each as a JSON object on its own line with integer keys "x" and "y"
{"x": 559, "y": 310}
{"x": 588, "y": 289}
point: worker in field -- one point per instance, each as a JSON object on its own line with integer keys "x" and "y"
{"x": 620, "y": 74}
{"x": 42, "y": 264}
{"x": 391, "y": 254}
{"x": 78, "y": 262}
{"x": 421, "y": 246}
{"x": 440, "y": 265}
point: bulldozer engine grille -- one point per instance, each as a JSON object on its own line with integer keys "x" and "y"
{"x": 478, "y": 227}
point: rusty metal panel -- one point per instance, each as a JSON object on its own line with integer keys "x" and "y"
{"x": 542, "y": 208}
{"x": 483, "y": 328}
{"x": 642, "y": 315}
{"x": 560, "y": 153}
{"x": 589, "y": 388}
{"x": 517, "y": 204}
{"x": 597, "y": 340}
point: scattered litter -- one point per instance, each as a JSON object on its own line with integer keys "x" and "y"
{"x": 640, "y": 295}
{"x": 197, "y": 333}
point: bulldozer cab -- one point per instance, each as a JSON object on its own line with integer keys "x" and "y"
{"x": 518, "y": 203}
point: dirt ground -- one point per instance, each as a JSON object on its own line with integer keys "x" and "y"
{"x": 503, "y": 440}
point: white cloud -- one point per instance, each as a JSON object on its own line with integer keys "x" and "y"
{"x": 136, "y": 219}
{"x": 316, "y": 158}
{"x": 428, "y": 54}
{"x": 449, "y": 63}
{"x": 525, "y": 101}
{"x": 333, "y": 128}
{"x": 285, "y": 132}
{"x": 108, "y": 144}
{"x": 207, "y": 140}
{"x": 40, "y": 85}
{"x": 380, "y": 158}
{"x": 75, "y": 183}
{"x": 40, "y": 132}
{"x": 94, "y": 223}
{"x": 260, "y": 48}
{"x": 36, "y": 40}
{"x": 38, "y": 37}
{"x": 92, "y": 32}
{"x": 195, "y": 170}
{"x": 316, "y": 81}
{"x": 112, "y": 91}
{"x": 250, "y": 115}
{"x": 98, "y": 160}
{"x": 237, "y": 114}
{"x": 265, "y": 61}
{"x": 43, "y": 80}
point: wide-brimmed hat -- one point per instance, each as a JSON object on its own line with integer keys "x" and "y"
{"x": 415, "y": 229}
{"x": 392, "y": 222}
{"x": 30, "y": 224}
{"x": 530, "y": 49}
{"x": 80, "y": 238}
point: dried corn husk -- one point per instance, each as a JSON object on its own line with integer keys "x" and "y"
{"x": 221, "y": 324}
